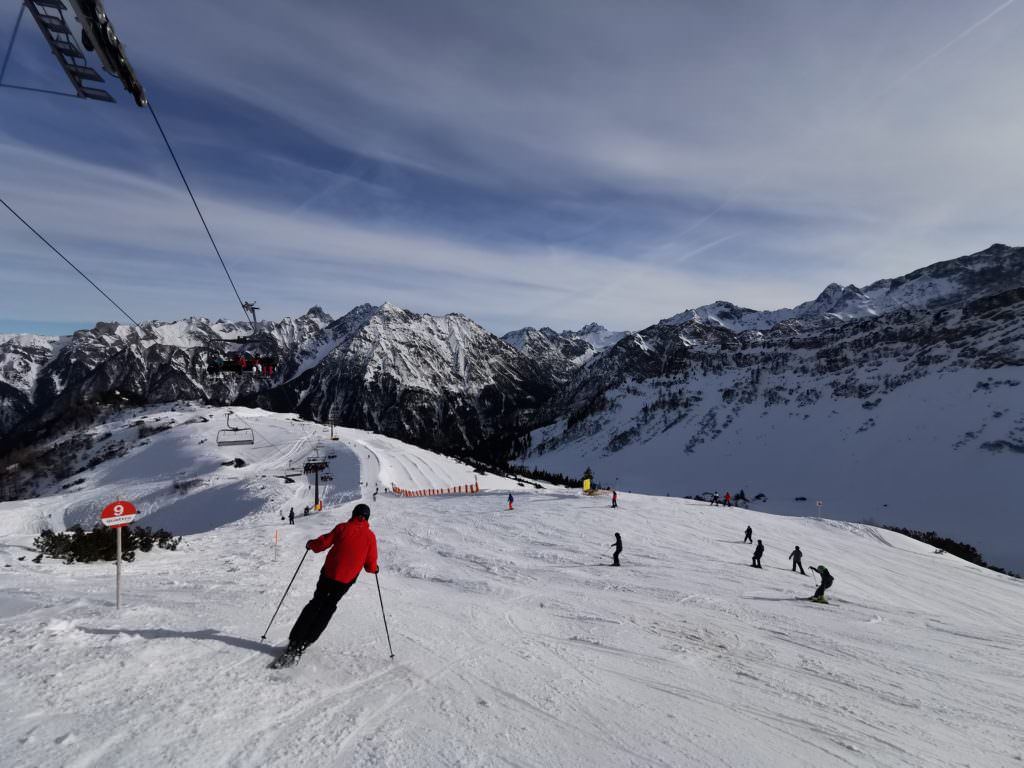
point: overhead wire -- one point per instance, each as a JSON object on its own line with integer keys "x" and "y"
{"x": 202, "y": 218}
{"x": 70, "y": 263}
{"x": 10, "y": 45}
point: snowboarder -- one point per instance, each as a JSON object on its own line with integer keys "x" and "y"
{"x": 758, "y": 551}
{"x": 748, "y": 535}
{"x": 615, "y": 499}
{"x": 618, "y": 548}
{"x": 728, "y": 499}
{"x": 796, "y": 556}
{"x": 353, "y": 548}
{"x": 826, "y": 582}
{"x": 510, "y": 500}
{"x": 291, "y": 516}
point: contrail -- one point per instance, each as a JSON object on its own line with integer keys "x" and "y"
{"x": 938, "y": 52}
{"x": 736, "y": 192}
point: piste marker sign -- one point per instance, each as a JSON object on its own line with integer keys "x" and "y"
{"x": 118, "y": 514}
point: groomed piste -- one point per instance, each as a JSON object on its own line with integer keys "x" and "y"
{"x": 514, "y": 643}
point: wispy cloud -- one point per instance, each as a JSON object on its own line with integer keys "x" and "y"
{"x": 541, "y": 163}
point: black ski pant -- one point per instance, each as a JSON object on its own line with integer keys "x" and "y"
{"x": 820, "y": 591}
{"x": 797, "y": 564}
{"x": 747, "y": 539}
{"x": 757, "y": 561}
{"x": 318, "y": 612}
{"x": 615, "y": 556}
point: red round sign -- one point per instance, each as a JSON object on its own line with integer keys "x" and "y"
{"x": 118, "y": 514}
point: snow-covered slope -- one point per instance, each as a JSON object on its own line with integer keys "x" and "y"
{"x": 906, "y": 417}
{"x": 512, "y": 644}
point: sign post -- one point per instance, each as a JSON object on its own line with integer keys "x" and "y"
{"x": 117, "y": 515}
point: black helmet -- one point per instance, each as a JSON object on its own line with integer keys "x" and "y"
{"x": 361, "y": 511}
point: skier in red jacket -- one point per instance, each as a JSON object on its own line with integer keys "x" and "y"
{"x": 353, "y": 547}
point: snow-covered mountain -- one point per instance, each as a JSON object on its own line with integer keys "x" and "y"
{"x": 702, "y": 400}
{"x": 957, "y": 281}
{"x": 440, "y": 381}
{"x": 443, "y": 381}
{"x": 898, "y": 402}
{"x": 512, "y": 645}
{"x": 562, "y": 353}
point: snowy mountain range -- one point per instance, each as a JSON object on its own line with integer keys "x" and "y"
{"x": 710, "y": 398}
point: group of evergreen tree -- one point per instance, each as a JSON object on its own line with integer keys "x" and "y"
{"x": 79, "y": 545}
{"x": 953, "y": 547}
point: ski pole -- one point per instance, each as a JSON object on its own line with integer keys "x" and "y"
{"x": 390, "y": 650}
{"x": 285, "y": 594}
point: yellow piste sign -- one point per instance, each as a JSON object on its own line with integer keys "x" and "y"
{"x": 586, "y": 485}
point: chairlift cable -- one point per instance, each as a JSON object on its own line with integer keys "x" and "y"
{"x": 199, "y": 211}
{"x": 10, "y": 45}
{"x": 69, "y": 262}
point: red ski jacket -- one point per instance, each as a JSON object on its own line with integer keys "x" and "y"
{"x": 354, "y": 546}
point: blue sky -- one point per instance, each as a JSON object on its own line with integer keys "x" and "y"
{"x": 527, "y": 163}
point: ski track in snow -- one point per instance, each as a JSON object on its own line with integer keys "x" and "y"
{"x": 514, "y": 644}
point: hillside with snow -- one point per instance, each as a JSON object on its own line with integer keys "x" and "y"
{"x": 908, "y": 415}
{"x": 895, "y": 401}
{"x": 514, "y": 644}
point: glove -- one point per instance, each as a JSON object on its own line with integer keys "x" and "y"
{"x": 309, "y": 544}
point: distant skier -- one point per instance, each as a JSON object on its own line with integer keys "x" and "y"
{"x": 375, "y": 493}
{"x": 353, "y": 548}
{"x": 826, "y": 582}
{"x": 291, "y": 516}
{"x": 510, "y": 500}
{"x": 618, "y": 548}
{"x": 615, "y": 499}
{"x": 728, "y": 499}
{"x": 305, "y": 512}
{"x": 758, "y": 551}
{"x": 796, "y": 556}
{"x": 748, "y": 535}
{"x": 714, "y": 499}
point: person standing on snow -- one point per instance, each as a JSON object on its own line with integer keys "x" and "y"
{"x": 291, "y": 516}
{"x": 615, "y": 499}
{"x": 758, "y": 551}
{"x": 510, "y": 500}
{"x": 618, "y": 549}
{"x": 714, "y": 499}
{"x": 796, "y": 556}
{"x": 748, "y": 535}
{"x": 826, "y": 582}
{"x": 728, "y": 499}
{"x": 353, "y": 548}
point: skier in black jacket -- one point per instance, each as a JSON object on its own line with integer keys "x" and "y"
{"x": 748, "y": 535}
{"x": 758, "y": 551}
{"x": 826, "y": 582}
{"x": 796, "y": 556}
{"x": 618, "y": 549}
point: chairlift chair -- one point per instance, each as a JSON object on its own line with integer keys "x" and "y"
{"x": 235, "y": 435}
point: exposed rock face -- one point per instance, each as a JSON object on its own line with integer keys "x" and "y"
{"x": 446, "y": 383}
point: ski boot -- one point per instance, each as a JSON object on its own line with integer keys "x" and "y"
{"x": 289, "y": 657}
